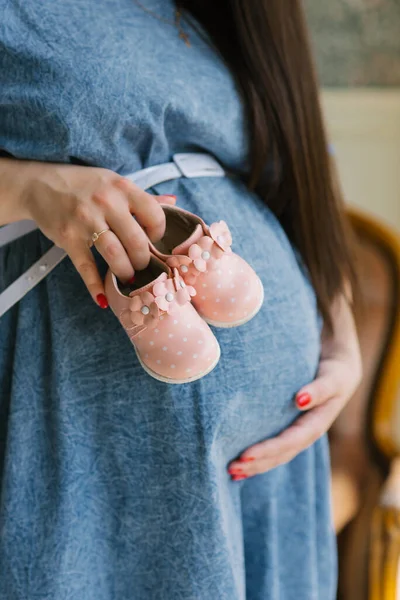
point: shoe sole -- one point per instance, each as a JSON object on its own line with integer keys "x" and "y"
{"x": 179, "y": 381}
{"x": 236, "y": 323}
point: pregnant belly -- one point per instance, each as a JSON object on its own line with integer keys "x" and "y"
{"x": 250, "y": 395}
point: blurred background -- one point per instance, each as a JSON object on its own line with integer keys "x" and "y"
{"x": 357, "y": 48}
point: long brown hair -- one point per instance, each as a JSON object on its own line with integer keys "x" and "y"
{"x": 265, "y": 44}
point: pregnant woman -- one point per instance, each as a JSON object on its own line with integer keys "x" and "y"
{"x": 114, "y": 485}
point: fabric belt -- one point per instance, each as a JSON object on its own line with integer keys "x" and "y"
{"x": 184, "y": 165}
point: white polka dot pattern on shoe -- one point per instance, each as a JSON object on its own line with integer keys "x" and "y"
{"x": 181, "y": 347}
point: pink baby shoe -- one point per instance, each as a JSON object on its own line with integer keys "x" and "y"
{"x": 172, "y": 342}
{"x": 229, "y": 292}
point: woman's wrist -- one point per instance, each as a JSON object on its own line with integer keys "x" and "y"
{"x": 16, "y": 179}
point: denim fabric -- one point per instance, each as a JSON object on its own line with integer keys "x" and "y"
{"x": 114, "y": 485}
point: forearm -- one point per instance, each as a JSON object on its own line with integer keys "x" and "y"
{"x": 15, "y": 176}
{"x": 344, "y": 344}
{"x": 343, "y": 336}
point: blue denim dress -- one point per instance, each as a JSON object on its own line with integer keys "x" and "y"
{"x": 113, "y": 486}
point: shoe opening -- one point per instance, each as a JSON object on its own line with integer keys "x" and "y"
{"x": 144, "y": 277}
{"x": 179, "y": 227}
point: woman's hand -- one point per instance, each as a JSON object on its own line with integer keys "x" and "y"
{"x": 69, "y": 203}
{"x": 339, "y": 375}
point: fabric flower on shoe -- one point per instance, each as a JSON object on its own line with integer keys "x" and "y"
{"x": 180, "y": 262}
{"x": 142, "y": 311}
{"x": 191, "y": 275}
{"x": 165, "y": 295}
{"x": 203, "y": 254}
{"x": 184, "y": 292}
{"x": 222, "y": 237}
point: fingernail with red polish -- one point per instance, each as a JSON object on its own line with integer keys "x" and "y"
{"x": 132, "y": 279}
{"x": 238, "y": 477}
{"x": 246, "y": 459}
{"x": 235, "y": 471}
{"x": 303, "y": 400}
{"x": 102, "y": 301}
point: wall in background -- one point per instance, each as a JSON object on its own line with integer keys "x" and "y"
{"x": 356, "y": 42}
{"x": 364, "y": 127}
{"x": 357, "y": 49}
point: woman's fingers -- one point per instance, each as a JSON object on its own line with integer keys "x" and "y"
{"x": 277, "y": 451}
{"x": 125, "y": 247}
{"x": 134, "y": 231}
{"x": 84, "y": 263}
{"x": 147, "y": 210}
{"x": 337, "y": 376}
{"x": 318, "y": 391}
{"x": 114, "y": 253}
{"x": 132, "y": 237}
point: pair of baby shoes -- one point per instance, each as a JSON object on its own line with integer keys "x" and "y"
{"x": 193, "y": 278}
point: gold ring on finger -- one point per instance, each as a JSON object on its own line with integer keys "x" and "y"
{"x": 95, "y": 236}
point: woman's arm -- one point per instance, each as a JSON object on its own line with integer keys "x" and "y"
{"x": 69, "y": 203}
{"x": 339, "y": 375}
{"x": 14, "y": 178}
